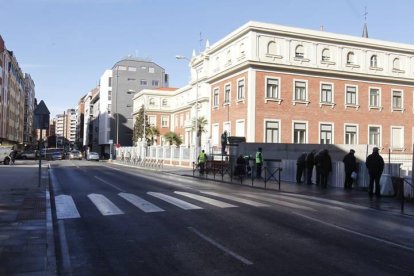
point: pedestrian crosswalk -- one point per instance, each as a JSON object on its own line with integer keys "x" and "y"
{"x": 66, "y": 207}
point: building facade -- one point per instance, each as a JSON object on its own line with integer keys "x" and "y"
{"x": 28, "y": 131}
{"x": 277, "y": 84}
{"x": 129, "y": 76}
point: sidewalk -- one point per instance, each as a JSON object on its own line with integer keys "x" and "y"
{"x": 26, "y": 235}
{"x": 355, "y": 196}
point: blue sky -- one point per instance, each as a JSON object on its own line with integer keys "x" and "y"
{"x": 65, "y": 45}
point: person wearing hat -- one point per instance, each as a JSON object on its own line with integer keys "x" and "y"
{"x": 375, "y": 166}
{"x": 350, "y": 167}
{"x": 259, "y": 163}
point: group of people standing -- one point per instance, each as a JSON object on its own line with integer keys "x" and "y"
{"x": 323, "y": 166}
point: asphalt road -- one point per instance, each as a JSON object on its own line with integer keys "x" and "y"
{"x": 114, "y": 220}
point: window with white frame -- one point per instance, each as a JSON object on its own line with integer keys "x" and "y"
{"x": 396, "y": 64}
{"x": 143, "y": 82}
{"x": 151, "y": 70}
{"x": 215, "y": 135}
{"x": 351, "y": 134}
{"x": 374, "y": 136}
{"x": 326, "y": 93}
{"x": 227, "y": 90}
{"x": 326, "y": 134}
{"x": 299, "y": 133}
{"x": 165, "y": 121}
{"x": 272, "y": 88}
{"x": 152, "y": 101}
{"x": 397, "y": 100}
{"x": 240, "y": 89}
{"x": 242, "y": 50}
{"x": 271, "y": 48}
{"x": 326, "y": 55}
{"x": 240, "y": 128}
{"x": 272, "y": 132}
{"x": 351, "y": 95}
{"x": 152, "y": 120}
{"x": 350, "y": 58}
{"x": 299, "y": 52}
{"x": 216, "y": 97}
{"x": 181, "y": 120}
{"x": 164, "y": 102}
{"x": 300, "y": 91}
{"x": 373, "y": 61}
{"x": 227, "y": 127}
{"x": 374, "y": 97}
{"x": 397, "y": 137}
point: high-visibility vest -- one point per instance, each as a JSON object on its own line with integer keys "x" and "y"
{"x": 202, "y": 157}
{"x": 259, "y": 158}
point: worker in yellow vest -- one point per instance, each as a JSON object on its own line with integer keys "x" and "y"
{"x": 202, "y": 159}
{"x": 259, "y": 163}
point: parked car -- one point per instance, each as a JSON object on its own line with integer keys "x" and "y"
{"x": 92, "y": 156}
{"x": 52, "y": 153}
{"x": 28, "y": 154}
{"x": 75, "y": 154}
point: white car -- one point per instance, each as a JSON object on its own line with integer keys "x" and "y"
{"x": 92, "y": 156}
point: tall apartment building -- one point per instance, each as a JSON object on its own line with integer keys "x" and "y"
{"x": 278, "y": 84}
{"x": 80, "y": 117}
{"x": 29, "y": 105}
{"x": 129, "y": 76}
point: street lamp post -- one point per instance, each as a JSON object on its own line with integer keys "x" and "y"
{"x": 196, "y": 103}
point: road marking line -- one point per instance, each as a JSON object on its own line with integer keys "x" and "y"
{"x": 65, "y": 207}
{"x": 175, "y": 201}
{"x": 279, "y": 202}
{"x": 356, "y": 233}
{"x": 207, "y": 200}
{"x": 335, "y": 202}
{"x": 306, "y": 201}
{"x": 110, "y": 184}
{"x": 104, "y": 205}
{"x": 237, "y": 199}
{"x": 141, "y": 203}
{"x": 216, "y": 244}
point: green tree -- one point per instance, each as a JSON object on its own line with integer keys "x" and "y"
{"x": 173, "y": 138}
{"x": 140, "y": 119}
{"x": 151, "y": 133}
{"x": 201, "y": 127}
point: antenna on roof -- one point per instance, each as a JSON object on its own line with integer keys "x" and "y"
{"x": 365, "y": 30}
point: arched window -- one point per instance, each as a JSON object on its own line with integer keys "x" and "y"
{"x": 242, "y": 49}
{"x": 164, "y": 102}
{"x": 350, "y": 58}
{"x": 326, "y": 55}
{"x": 152, "y": 101}
{"x": 396, "y": 64}
{"x": 299, "y": 52}
{"x": 373, "y": 61}
{"x": 271, "y": 48}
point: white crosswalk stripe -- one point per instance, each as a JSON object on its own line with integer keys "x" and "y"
{"x": 175, "y": 201}
{"x": 207, "y": 200}
{"x": 104, "y": 205}
{"x": 237, "y": 199}
{"x": 279, "y": 202}
{"x": 141, "y": 203}
{"x": 65, "y": 207}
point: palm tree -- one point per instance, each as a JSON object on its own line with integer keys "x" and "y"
{"x": 201, "y": 125}
{"x": 173, "y": 138}
{"x": 152, "y": 132}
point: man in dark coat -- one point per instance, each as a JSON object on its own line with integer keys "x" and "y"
{"x": 318, "y": 167}
{"x": 310, "y": 162}
{"x": 300, "y": 167}
{"x": 375, "y": 166}
{"x": 325, "y": 167}
{"x": 350, "y": 166}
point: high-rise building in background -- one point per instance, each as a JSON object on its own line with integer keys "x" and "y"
{"x": 28, "y": 134}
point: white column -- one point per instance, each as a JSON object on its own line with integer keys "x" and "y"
{"x": 251, "y": 106}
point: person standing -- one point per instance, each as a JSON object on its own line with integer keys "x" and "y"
{"x": 224, "y": 142}
{"x": 300, "y": 167}
{"x": 202, "y": 159}
{"x": 240, "y": 166}
{"x": 350, "y": 166}
{"x": 259, "y": 163}
{"x": 325, "y": 167}
{"x": 310, "y": 162}
{"x": 375, "y": 166}
{"x": 318, "y": 167}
